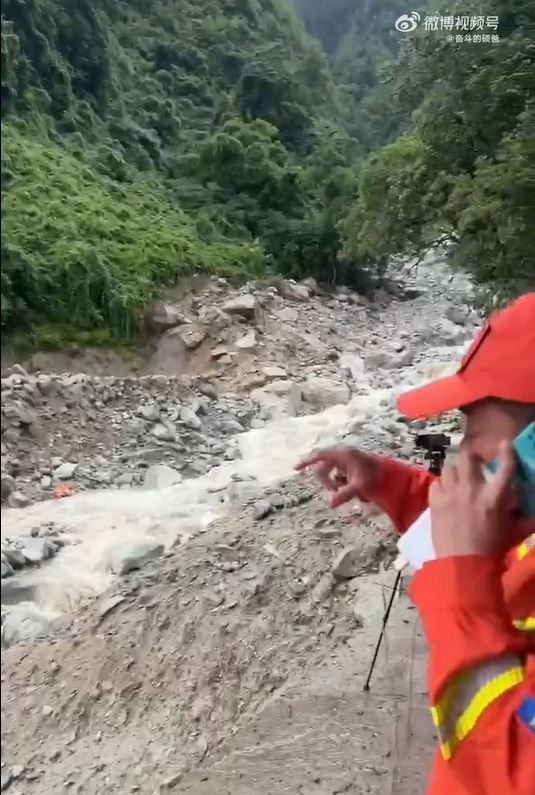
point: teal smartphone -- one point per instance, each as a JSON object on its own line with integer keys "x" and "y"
{"x": 524, "y": 480}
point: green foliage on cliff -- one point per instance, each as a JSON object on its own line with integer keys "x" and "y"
{"x": 146, "y": 140}
{"x": 79, "y": 248}
{"x": 149, "y": 139}
{"x": 466, "y": 171}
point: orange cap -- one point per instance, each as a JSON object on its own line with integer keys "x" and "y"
{"x": 500, "y": 363}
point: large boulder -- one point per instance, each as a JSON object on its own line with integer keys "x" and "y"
{"x": 65, "y": 471}
{"x": 36, "y": 550}
{"x": 323, "y": 392}
{"x": 162, "y": 316}
{"x": 191, "y": 335}
{"x": 164, "y": 433}
{"x": 294, "y": 291}
{"x": 160, "y": 476}
{"x": 448, "y": 333}
{"x": 279, "y": 399}
{"x": 460, "y": 315}
{"x": 133, "y": 555}
{"x": 243, "y": 305}
{"x": 274, "y": 371}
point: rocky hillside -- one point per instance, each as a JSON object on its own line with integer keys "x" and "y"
{"x": 183, "y": 583}
{"x": 244, "y": 357}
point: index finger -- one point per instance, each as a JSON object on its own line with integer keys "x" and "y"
{"x": 323, "y": 457}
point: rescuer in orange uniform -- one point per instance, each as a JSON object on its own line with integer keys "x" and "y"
{"x": 477, "y": 599}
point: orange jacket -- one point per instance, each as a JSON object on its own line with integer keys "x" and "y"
{"x": 478, "y": 615}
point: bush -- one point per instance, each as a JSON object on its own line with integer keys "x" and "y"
{"x": 78, "y": 248}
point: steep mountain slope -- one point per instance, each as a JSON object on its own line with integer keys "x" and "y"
{"x": 226, "y": 111}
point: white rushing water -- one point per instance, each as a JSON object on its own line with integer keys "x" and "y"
{"x": 101, "y": 520}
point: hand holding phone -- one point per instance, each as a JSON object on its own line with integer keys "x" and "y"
{"x": 416, "y": 545}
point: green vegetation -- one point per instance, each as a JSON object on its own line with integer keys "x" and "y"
{"x": 79, "y": 247}
{"x": 466, "y": 172}
{"x": 142, "y": 141}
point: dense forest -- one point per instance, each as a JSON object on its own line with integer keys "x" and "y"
{"x": 142, "y": 141}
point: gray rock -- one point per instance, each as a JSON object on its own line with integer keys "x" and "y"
{"x": 229, "y": 426}
{"x": 219, "y": 352}
{"x": 15, "y": 557}
{"x": 108, "y": 604}
{"x": 207, "y": 389}
{"x": 8, "y": 485}
{"x": 379, "y": 359}
{"x": 449, "y": 333}
{"x": 243, "y": 305}
{"x": 458, "y": 315}
{"x": 126, "y": 479}
{"x": 214, "y": 317}
{"x": 273, "y": 371}
{"x": 11, "y": 435}
{"x": 312, "y": 285}
{"x": 18, "y": 500}
{"x": 65, "y": 471}
{"x": 238, "y": 493}
{"x": 163, "y": 432}
{"x": 23, "y": 622}
{"x": 280, "y": 398}
{"x": 189, "y": 418}
{"x": 46, "y": 482}
{"x": 150, "y": 412}
{"x": 322, "y": 392}
{"x": 160, "y": 476}
{"x": 323, "y": 588}
{"x": 104, "y": 476}
{"x": 192, "y": 336}
{"x": 24, "y": 414}
{"x": 346, "y": 564}
{"x": 36, "y": 550}
{"x": 404, "y": 359}
{"x": 247, "y": 342}
{"x": 5, "y": 780}
{"x": 132, "y": 556}
{"x": 46, "y": 385}
{"x": 6, "y": 569}
{"x": 162, "y": 316}
{"x": 287, "y": 314}
{"x": 261, "y": 509}
{"x": 295, "y": 292}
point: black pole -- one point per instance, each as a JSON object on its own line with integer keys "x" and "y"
{"x": 385, "y": 622}
{"x": 435, "y": 444}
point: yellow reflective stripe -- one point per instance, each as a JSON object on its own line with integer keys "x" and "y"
{"x": 468, "y": 696}
{"x": 525, "y": 624}
{"x": 523, "y": 549}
